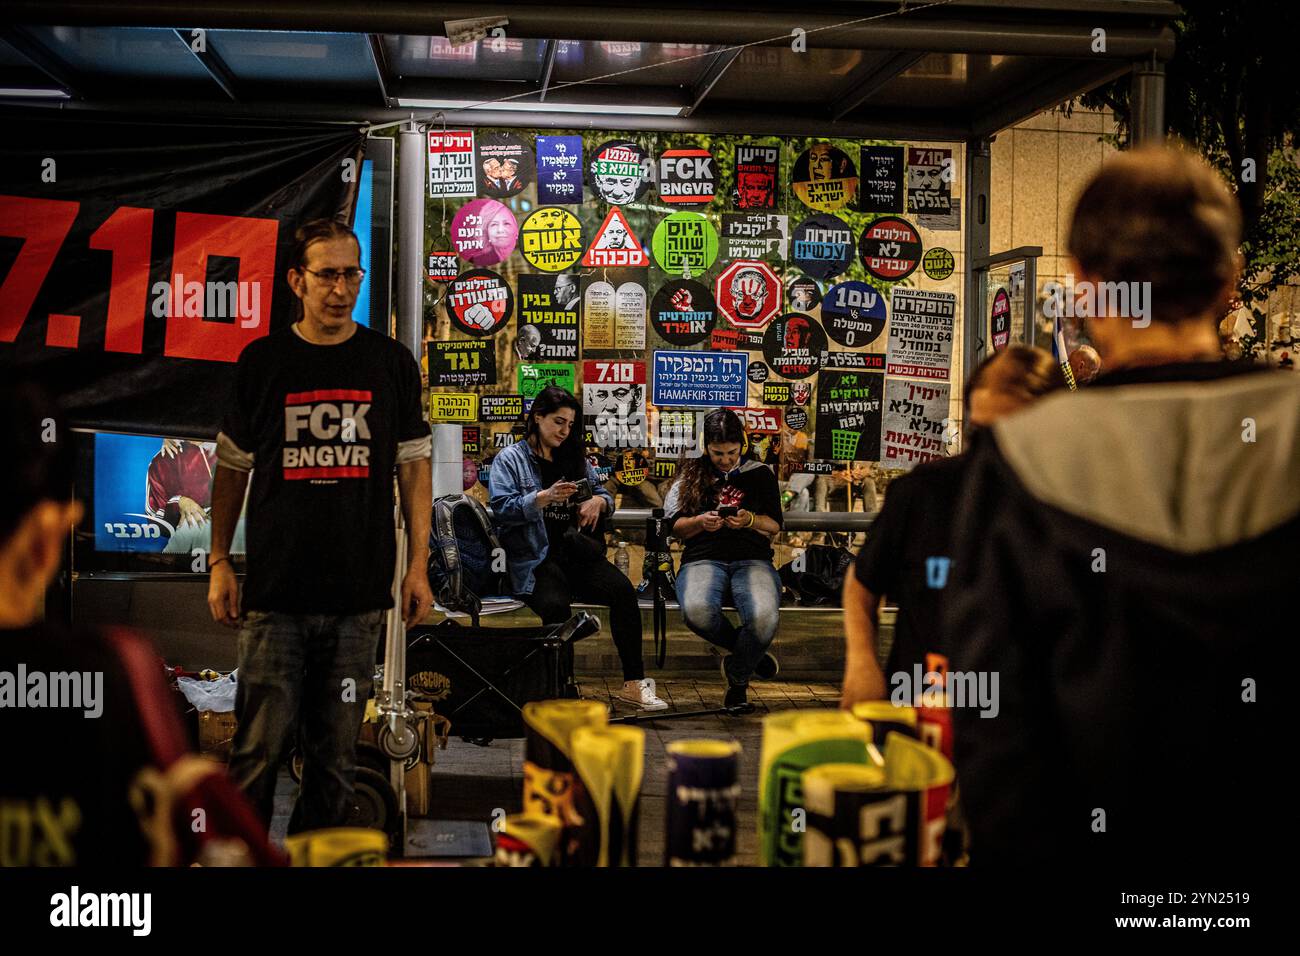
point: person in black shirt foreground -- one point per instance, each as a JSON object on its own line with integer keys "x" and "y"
{"x": 727, "y": 512}
{"x": 907, "y": 554}
{"x": 322, "y": 416}
{"x": 1120, "y": 560}
{"x": 88, "y": 726}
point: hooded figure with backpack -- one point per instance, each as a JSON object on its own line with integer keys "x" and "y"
{"x": 548, "y": 506}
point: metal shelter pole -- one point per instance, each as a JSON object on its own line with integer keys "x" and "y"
{"x": 979, "y": 163}
{"x": 397, "y": 736}
{"x": 1147, "y": 96}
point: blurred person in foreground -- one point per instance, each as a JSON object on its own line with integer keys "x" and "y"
{"x": 1119, "y": 555}
{"x": 909, "y": 545}
{"x": 124, "y": 795}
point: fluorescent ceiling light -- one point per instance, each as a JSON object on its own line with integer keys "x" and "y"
{"x": 33, "y": 93}
{"x": 512, "y": 105}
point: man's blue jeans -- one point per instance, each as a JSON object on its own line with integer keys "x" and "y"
{"x": 753, "y": 587}
{"x": 310, "y": 673}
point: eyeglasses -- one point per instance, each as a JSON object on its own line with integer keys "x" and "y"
{"x": 331, "y": 276}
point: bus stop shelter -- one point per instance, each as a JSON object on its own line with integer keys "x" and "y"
{"x": 951, "y": 70}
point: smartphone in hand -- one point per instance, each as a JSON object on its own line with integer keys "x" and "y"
{"x": 727, "y": 511}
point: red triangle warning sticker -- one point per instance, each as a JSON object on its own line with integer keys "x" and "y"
{"x": 615, "y": 244}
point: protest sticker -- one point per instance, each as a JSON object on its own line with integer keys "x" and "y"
{"x": 683, "y": 312}
{"x": 551, "y": 239}
{"x": 453, "y": 407}
{"x": 853, "y": 313}
{"x": 614, "y": 403}
{"x": 676, "y": 432}
{"x": 825, "y": 178}
{"x": 814, "y": 467}
{"x": 755, "y": 235}
{"x": 757, "y": 173}
{"x": 823, "y": 246}
{"x": 631, "y": 467}
{"x": 613, "y": 318}
{"x": 890, "y": 248}
{"x": 687, "y": 177}
{"x": 663, "y": 468}
{"x": 534, "y": 378}
{"x": 501, "y": 408}
{"x": 505, "y": 164}
{"x": 921, "y": 333}
{"x": 685, "y": 244}
{"x": 760, "y": 421}
{"x": 629, "y": 316}
{"x": 619, "y": 172}
{"x": 598, "y": 315}
{"x": 559, "y": 170}
{"x": 793, "y": 345}
{"x": 796, "y": 419}
{"x": 601, "y": 465}
{"x": 883, "y": 176}
{"x": 462, "y": 364}
{"x": 930, "y": 173}
{"x": 872, "y": 361}
{"x": 484, "y": 232}
{"x": 911, "y": 428}
{"x": 1000, "y": 320}
{"x": 451, "y": 164}
{"x": 615, "y": 245}
{"x": 470, "y": 442}
{"x": 443, "y": 266}
{"x": 776, "y": 393}
{"x": 938, "y": 263}
{"x": 727, "y": 340}
{"x": 758, "y": 372}
{"x": 479, "y": 302}
{"x": 700, "y": 379}
{"x": 803, "y": 294}
{"x": 848, "y": 415}
{"x": 748, "y": 294}
{"x": 800, "y": 393}
{"x": 548, "y": 318}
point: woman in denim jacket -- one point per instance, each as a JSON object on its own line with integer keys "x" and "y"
{"x": 551, "y": 560}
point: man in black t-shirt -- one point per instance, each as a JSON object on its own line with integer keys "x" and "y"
{"x": 907, "y": 555}
{"x": 323, "y": 414}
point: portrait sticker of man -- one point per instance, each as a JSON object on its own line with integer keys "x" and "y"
{"x": 825, "y": 178}
{"x": 620, "y": 172}
{"x": 506, "y": 165}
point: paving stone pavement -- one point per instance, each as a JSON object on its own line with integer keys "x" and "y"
{"x": 471, "y": 781}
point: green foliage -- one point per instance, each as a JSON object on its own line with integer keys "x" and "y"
{"x": 1231, "y": 94}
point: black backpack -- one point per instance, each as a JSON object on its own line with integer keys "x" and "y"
{"x": 819, "y": 583}
{"x": 462, "y": 545}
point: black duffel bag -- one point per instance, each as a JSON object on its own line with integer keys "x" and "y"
{"x": 819, "y": 582}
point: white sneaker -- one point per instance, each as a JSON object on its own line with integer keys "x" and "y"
{"x": 642, "y": 693}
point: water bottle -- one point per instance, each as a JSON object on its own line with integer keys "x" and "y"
{"x": 621, "y": 559}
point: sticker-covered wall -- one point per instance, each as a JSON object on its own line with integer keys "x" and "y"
{"x": 814, "y": 286}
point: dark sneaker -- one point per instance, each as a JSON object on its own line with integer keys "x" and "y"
{"x": 767, "y": 668}
{"x": 736, "y": 699}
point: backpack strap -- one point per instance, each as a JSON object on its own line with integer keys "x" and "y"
{"x": 448, "y": 551}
